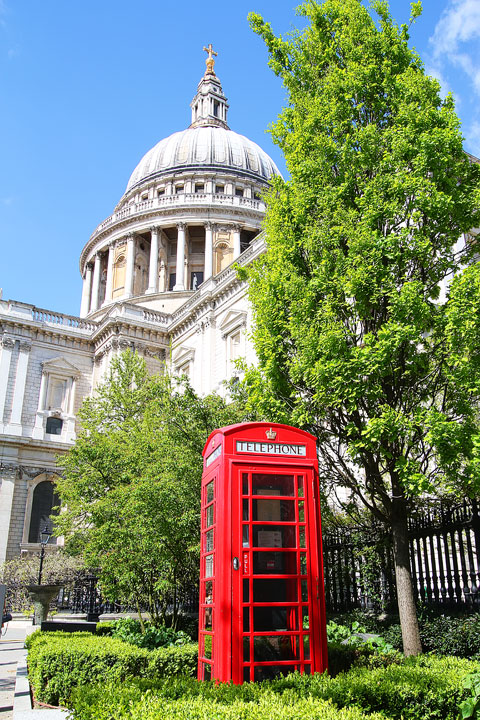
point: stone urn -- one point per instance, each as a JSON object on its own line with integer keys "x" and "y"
{"x": 42, "y": 596}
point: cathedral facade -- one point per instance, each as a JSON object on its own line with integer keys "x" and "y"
{"x": 159, "y": 278}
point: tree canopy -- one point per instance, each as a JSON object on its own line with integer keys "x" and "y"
{"x": 354, "y": 338}
{"x": 130, "y": 486}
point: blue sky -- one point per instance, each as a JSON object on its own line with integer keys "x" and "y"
{"x": 87, "y": 88}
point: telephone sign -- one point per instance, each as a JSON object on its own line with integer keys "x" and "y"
{"x": 262, "y": 604}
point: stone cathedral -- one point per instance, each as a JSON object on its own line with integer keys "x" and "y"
{"x": 158, "y": 278}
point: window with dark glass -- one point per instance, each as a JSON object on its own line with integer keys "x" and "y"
{"x": 54, "y": 426}
{"x": 44, "y": 500}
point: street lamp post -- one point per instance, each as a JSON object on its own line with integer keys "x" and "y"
{"x": 45, "y": 536}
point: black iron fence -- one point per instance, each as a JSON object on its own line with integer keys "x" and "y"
{"x": 444, "y": 558}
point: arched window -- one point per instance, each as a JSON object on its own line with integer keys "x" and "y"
{"x": 44, "y": 499}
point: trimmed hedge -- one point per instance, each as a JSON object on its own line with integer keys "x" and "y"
{"x": 424, "y": 688}
{"x": 224, "y": 702}
{"x": 60, "y": 662}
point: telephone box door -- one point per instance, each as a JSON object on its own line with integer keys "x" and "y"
{"x": 276, "y": 584}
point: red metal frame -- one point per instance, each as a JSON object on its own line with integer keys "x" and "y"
{"x": 262, "y": 602}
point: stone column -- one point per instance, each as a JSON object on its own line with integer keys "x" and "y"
{"x": 96, "y": 283}
{"x": 38, "y": 430}
{"x": 15, "y": 425}
{"x": 153, "y": 269}
{"x": 129, "y": 271}
{"x": 6, "y": 344}
{"x": 8, "y": 475}
{"x": 87, "y": 291}
{"x": 208, "y": 251}
{"x": 180, "y": 269}
{"x": 109, "y": 285}
{"x": 236, "y": 241}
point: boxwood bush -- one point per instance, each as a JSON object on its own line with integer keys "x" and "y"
{"x": 59, "y": 662}
{"x": 424, "y": 688}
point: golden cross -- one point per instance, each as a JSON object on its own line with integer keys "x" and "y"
{"x": 210, "y": 62}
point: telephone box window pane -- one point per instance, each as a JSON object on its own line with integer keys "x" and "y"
{"x": 276, "y": 647}
{"x": 301, "y": 532}
{"x": 244, "y": 484}
{"x": 209, "y": 516}
{"x": 208, "y": 619}
{"x": 246, "y": 674}
{"x": 301, "y": 488}
{"x": 246, "y": 591}
{"x": 245, "y": 512}
{"x": 210, "y": 492}
{"x": 269, "y": 672}
{"x": 307, "y": 670}
{"x": 301, "y": 511}
{"x": 207, "y": 671}
{"x": 276, "y": 590}
{"x": 305, "y": 618}
{"x": 306, "y": 647}
{"x": 208, "y": 648}
{"x": 246, "y": 621}
{"x": 209, "y": 541}
{"x": 275, "y": 563}
{"x": 274, "y": 510}
{"x": 246, "y": 649}
{"x": 304, "y": 587}
{"x": 274, "y": 619}
{"x": 274, "y": 536}
{"x": 303, "y": 563}
{"x": 209, "y": 591}
{"x": 271, "y": 484}
{"x": 246, "y": 536}
{"x": 209, "y": 566}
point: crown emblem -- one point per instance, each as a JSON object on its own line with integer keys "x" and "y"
{"x": 271, "y": 434}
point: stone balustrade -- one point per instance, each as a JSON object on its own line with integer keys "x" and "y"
{"x": 180, "y": 200}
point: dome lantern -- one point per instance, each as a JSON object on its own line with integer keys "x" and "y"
{"x": 209, "y": 106}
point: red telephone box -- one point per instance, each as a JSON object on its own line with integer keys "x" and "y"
{"x": 262, "y": 602}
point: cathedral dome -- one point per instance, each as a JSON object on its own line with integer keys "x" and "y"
{"x": 207, "y": 147}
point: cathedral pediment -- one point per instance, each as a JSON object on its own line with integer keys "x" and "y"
{"x": 233, "y": 319}
{"x": 61, "y": 367}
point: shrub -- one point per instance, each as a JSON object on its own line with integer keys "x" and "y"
{"x": 59, "y": 662}
{"x": 174, "y": 660}
{"x": 424, "y": 688}
{"x": 105, "y": 627}
{"x": 16, "y": 574}
{"x": 184, "y": 700}
{"x": 130, "y": 631}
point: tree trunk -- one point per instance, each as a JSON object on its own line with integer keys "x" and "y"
{"x": 406, "y": 602}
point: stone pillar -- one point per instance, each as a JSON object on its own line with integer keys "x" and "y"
{"x": 236, "y": 241}
{"x": 15, "y": 425}
{"x": 108, "y": 288}
{"x": 153, "y": 269}
{"x": 180, "y": 268}
{"x": 8, "y": 474}
{"x": 38, "y": 430}
{"x": 7, "y": 344}
{"x": 129, "y": 271}
{"x": 96, "y": 283}
{"x": 87, "y": 291}
{"x": 186, "y": 282}
{"x": 70, "y": 434}
{"x": 208, "y": 251}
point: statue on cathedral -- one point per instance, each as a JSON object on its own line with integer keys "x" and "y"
{"x": 210, "y": 62}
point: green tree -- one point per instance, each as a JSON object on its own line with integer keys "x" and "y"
{"x": 350, "y": 327}
{"x": 130, "y": 486}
